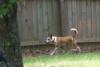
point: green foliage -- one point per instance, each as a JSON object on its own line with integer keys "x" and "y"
{"x": 6, "y": 7}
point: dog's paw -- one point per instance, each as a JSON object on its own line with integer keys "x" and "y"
{"x": 51, "y": 54}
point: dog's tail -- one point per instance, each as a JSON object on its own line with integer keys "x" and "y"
{"x": 74, "y": 32}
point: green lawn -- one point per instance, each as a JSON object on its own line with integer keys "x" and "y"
{"x": 64, "y": 60}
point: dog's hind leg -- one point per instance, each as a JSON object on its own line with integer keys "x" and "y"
{"x": 55, "y": 49}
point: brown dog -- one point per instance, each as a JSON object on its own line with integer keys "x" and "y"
{"x": 58, "y": 41}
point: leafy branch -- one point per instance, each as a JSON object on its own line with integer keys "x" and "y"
{"x": 6, "y": 7}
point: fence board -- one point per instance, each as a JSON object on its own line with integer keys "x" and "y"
{"x": 34, "y": 17}
{"x": 84, "y": 19}
{"x": 94, "y": 32}
{"x": 40, "y": 26}
{"x": 70, "y": 21}
{"x": 64, "y": 16}
{"x": 26, "y": 22}
{"x": 45, "y": 19}
{"x": 21, "y": 22}
{"x": 79, "y": 22}
{"x": 74, "y": 13}
{"x": 19, "y": 14}
{"x": 50, "y": 17}
{"x": 98, "y": 17}
{"x": 56, "y": 16}
{"x": 89, "y": 18}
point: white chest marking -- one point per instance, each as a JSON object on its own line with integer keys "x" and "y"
{"x": 54, "y": 38}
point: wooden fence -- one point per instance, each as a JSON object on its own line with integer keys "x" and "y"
{"x": 38, "y": 18}
{"x": 84, "y": 15}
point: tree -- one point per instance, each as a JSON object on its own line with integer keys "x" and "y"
{"x": 8, "y": 32}
{"x": 6, "y": 6}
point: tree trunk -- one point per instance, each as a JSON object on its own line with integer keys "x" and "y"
{"x": 10, "y": 40}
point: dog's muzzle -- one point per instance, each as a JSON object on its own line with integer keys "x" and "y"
{"x": 46, "y": 42}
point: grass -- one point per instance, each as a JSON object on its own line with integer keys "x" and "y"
{"x": 64, "y": 60}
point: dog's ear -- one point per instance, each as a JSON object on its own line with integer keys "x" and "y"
{"x": 50, "y": 35}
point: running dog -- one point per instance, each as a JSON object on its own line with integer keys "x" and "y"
{"x": 70, "y": 40}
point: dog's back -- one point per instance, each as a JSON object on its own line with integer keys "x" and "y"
{"x": 66, "y": 39}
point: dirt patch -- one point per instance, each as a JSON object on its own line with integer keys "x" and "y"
{"x": 36, "y": 50}
{"x": 46, "y": 49}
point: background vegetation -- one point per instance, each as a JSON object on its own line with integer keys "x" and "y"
{"x": 9, "y": 38}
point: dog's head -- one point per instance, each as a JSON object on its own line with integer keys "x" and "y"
{"x": 50, "y": 39}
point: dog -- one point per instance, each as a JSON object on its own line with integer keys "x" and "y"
{"x": 58, "y": 41}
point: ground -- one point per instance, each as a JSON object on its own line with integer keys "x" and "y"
{"x": 46, "y": 49}
{"x": 64, "y": 60}
{"x": 38, "y": 56}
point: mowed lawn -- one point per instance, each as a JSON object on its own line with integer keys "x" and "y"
{"x": 64, "y": 60}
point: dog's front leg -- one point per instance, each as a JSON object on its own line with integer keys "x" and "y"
{"x": 77, "y": 47}
{"x": 55, "y": 49}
